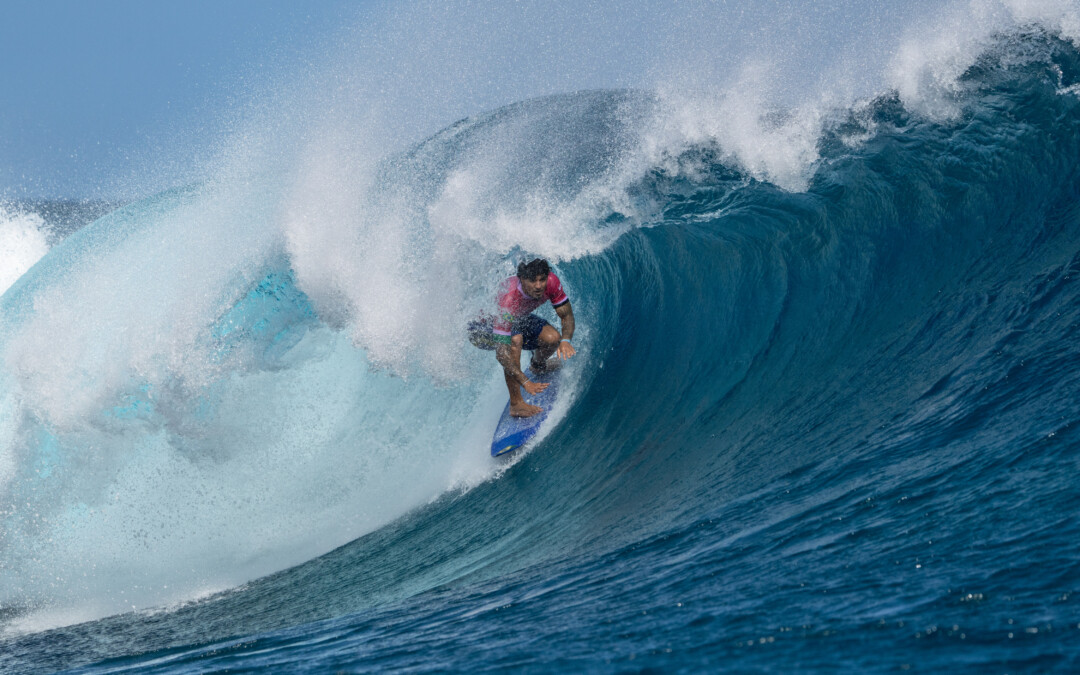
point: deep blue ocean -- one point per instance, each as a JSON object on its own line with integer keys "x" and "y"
{"x": 820, "y": 422}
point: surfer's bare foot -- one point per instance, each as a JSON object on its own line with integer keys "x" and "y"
{"x": 524, "y": 409}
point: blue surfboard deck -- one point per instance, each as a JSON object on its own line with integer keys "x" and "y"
{"x": 513, "y": 432}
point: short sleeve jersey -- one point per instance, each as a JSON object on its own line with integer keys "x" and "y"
{"x": 514, "y": 304}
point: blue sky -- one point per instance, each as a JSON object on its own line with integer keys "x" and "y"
{"x": 93, "y": 92}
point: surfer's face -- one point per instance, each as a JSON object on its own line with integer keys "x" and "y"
{"x": 534, "y": 288}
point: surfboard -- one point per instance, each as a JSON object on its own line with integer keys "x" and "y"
{"x": 514, "y": 432}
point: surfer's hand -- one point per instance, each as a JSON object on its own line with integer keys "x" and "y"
{"x": 566, "y": 350}
{"x": 535, "y": 387}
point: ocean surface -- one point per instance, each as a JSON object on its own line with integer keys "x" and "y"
{"x": 824, "y": 416}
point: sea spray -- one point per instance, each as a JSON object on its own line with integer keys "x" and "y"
{"x": 23, "y": 242}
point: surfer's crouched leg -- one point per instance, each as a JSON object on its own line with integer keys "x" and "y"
{"x": 518, "y": 406}
{"x": 547, "y": 343}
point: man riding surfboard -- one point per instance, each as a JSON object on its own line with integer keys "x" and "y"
{"x": 515, "y": 327}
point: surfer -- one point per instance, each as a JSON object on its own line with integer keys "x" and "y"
{"x": 515, "y": 327}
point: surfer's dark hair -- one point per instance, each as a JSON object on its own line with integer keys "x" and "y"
{"x": 537, "y": 267}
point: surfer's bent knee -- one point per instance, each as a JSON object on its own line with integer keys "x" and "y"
{"x": 549, "y": 337}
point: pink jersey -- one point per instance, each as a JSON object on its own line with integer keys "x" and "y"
{"x": 514, "y": 304}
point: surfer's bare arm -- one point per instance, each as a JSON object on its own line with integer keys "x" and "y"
{"x": 566, "y": 316}
{"x": 510, "y": 359}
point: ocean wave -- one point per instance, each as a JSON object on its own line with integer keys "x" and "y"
{"x": 801, "y": 333}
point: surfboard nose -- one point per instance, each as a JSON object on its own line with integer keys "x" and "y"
{"x": 513, "y": 432}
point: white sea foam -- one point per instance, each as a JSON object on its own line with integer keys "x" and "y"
{"x": 764, "y": 113}
{"x": 146, "y": 465}
{"x": 937, "y": 50}
{"x": 744, "y": 125}
{"x": 23, "y": 242}
{"x": 150, "y": 470}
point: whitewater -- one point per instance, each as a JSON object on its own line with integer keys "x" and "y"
{"x": 822, "y": 417}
